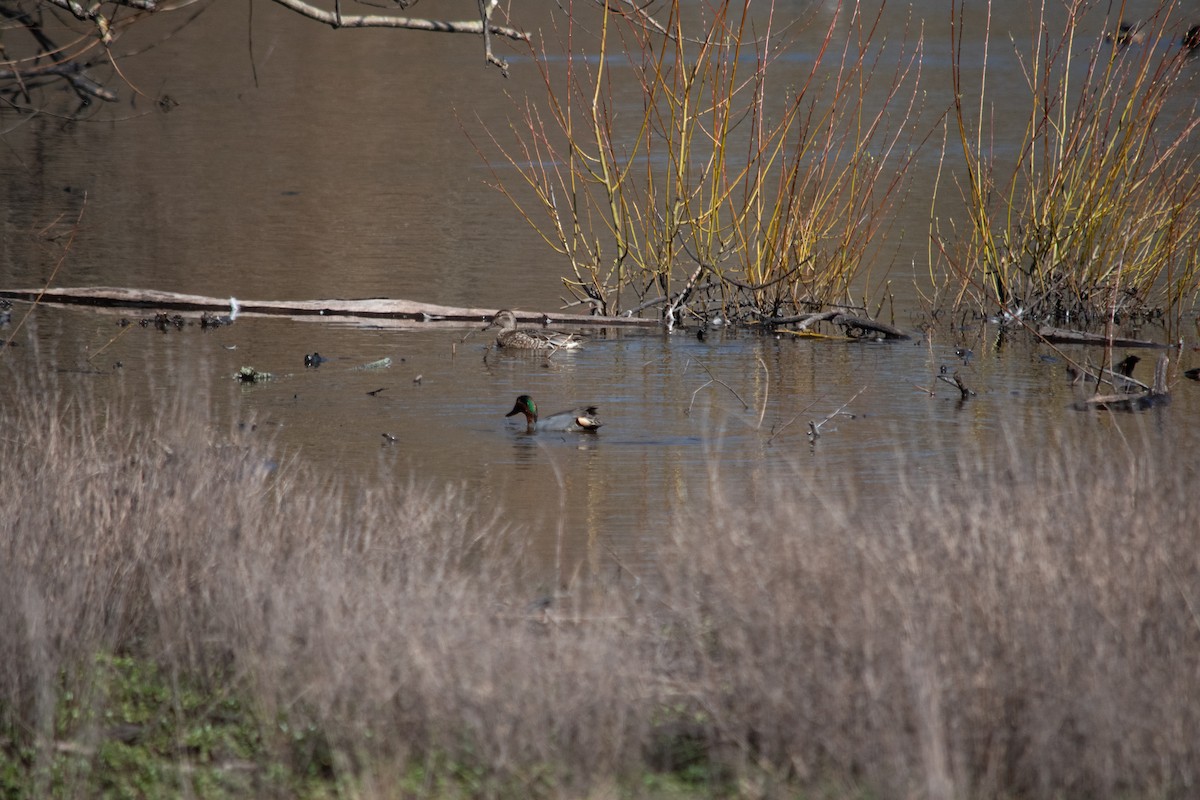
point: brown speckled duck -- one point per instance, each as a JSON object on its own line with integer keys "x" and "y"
{"x": 529, "y": 338}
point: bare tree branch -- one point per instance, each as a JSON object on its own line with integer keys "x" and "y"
{"x": 92, "y": 12}
{"x": 412, "y": 23}
{"x": 99, "y": 16}
{"x": 71, "y": 71}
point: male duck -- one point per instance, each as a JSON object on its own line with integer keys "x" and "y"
{"x": 577, "y": 420}
{"x": 529, "y": 338}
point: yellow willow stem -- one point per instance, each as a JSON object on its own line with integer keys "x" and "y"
{"x": 611, "y": 187}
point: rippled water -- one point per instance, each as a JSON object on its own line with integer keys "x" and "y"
{"x": 338, "y": 176}
{"x": 683, "y": 417}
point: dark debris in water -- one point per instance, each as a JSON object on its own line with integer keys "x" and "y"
{"x": 209, "y": 321}
{"x": 251, "y": 375}
{"x": 164, "y": 321}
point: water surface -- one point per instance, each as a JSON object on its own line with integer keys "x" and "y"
{"x": 341, "y": 166}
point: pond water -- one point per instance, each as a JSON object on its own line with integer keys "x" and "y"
{"x": 339, "y": 167}
{"x": 682, "y": 417}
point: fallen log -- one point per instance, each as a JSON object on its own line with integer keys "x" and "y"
{"x": 1063, "y": 336}
{"x": 801, "y": 321}
{"x": 862, "y": 327}
{"x": 378, "y": 310}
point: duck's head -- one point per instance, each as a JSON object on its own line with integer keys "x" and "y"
{"x": 526, "y": 406}
{"x": 504, "y": 320}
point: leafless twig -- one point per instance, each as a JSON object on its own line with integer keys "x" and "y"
{"x": 814, "y": 428}
{"x": 49, "y": 280}
{"x": 714, "y": 379}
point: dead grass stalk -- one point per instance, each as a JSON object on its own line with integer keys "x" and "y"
{"x": 1027, "y": 629}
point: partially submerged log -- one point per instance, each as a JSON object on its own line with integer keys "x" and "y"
{"x": 854, "y": 326}
{"x": 402, "y": 313}
{"x": 863, "y": 327}
{"x": 1063, "y": 336}
{"x": 801, "y": 321}
{"x": 1139, "y": 401}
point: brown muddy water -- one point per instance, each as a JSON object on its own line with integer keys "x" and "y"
{"x": 341, "y": 167}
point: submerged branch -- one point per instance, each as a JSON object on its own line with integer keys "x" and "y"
{"x": 714, "y": 379}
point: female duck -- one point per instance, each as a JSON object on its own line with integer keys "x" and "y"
{"x": 577, "y": 420}
{"x": 529, "y": 338}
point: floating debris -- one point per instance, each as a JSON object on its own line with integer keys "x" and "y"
{"x": 1062, "y": 336}
{"x": 209, "y": 321}
{"x": 163, "y": 321}
{"x": 382, "y": 363}
{"x": 251, "y": 375}
{"x": 957, "y": 382}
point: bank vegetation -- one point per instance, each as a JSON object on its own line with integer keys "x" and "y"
{"x": 755, "y": 171}
{"x": 743, "y": 162}
{"x": 190, "y": 617}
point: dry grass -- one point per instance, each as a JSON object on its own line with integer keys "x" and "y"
{"x": 1028, "y": 629}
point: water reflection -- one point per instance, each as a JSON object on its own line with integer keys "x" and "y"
{"x": 324, "y": 179}
{"x": 683, "y": 418}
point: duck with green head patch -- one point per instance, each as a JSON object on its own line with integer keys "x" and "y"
{"x": 576, "y": 420}
{"x": 511, "y": 336}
